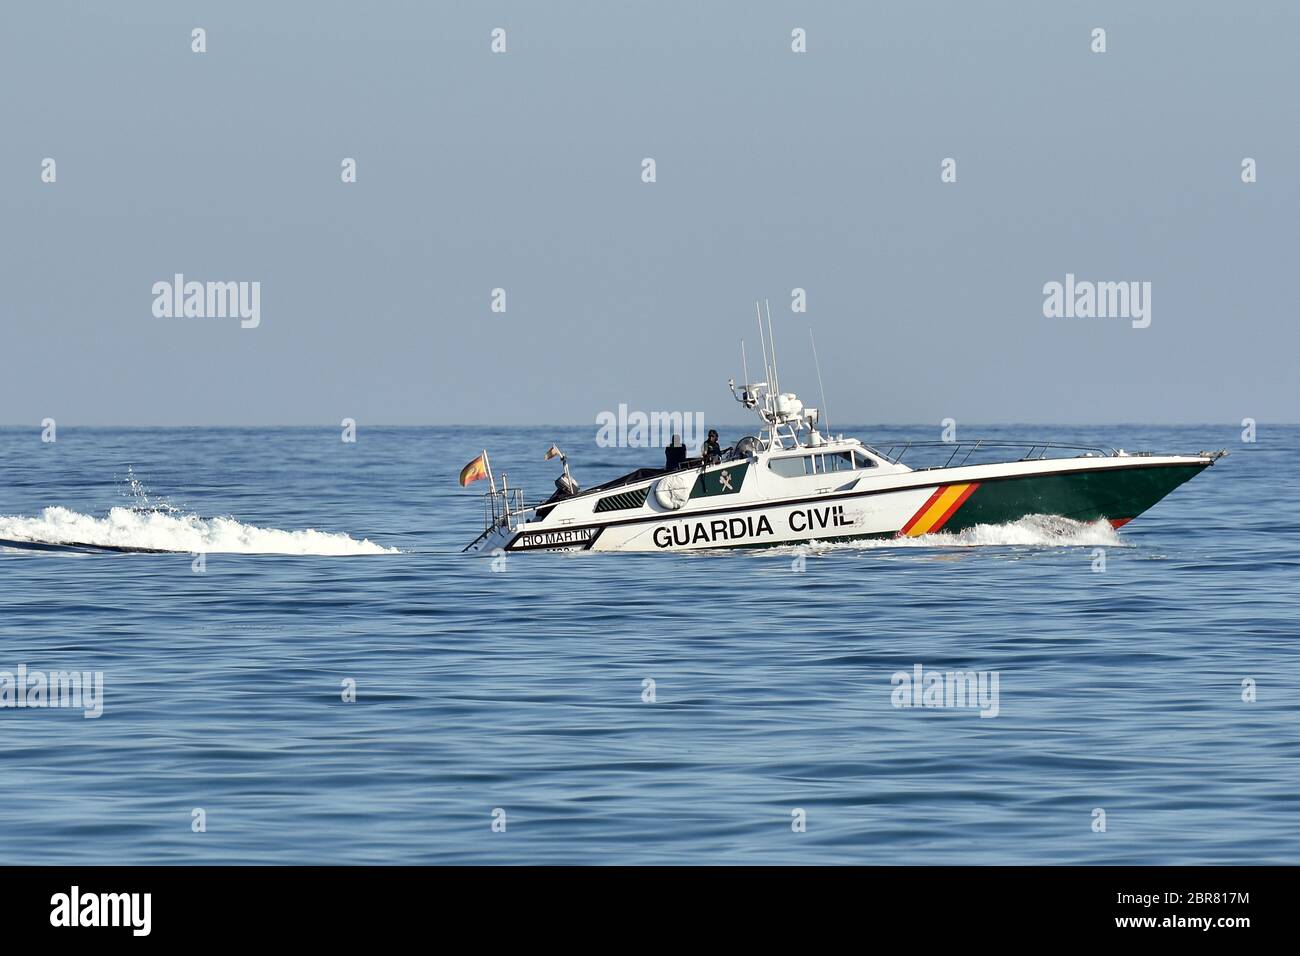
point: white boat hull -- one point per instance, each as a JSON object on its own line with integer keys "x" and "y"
{"x": 870, "y": 503}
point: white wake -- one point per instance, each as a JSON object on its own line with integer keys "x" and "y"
{"x": 1034, "y": 531}
{"x": 172, "y": 531}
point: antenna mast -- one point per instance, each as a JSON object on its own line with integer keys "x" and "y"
{"x": 776, "y": 376}
{"x": 826, "y": 417}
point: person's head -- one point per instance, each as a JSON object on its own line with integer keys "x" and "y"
{"x": 677, "y": 441}
{"x": 713, "y": 434}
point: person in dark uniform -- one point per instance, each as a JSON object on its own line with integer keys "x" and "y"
{"x": 674, "y": 454}
{"x": 711, "y": 451}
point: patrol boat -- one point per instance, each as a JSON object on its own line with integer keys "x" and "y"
{"x": 790, "y": 484}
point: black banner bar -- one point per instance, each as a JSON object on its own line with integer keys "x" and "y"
{"x": 326, "y": 904}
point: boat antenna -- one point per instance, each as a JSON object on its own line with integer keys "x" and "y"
{"x": 767, "y": 370}
{"x": 744, "y": 363}
{"x": 776, "y": 376}
{"x": 826, "y": 418}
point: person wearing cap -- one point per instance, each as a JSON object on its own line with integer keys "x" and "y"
{"x": 711, "y": 451}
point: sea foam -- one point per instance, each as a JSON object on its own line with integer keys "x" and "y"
{"x": 169, "y": 531}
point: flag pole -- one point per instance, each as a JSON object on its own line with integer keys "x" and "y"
{"x": 488, "y": 465}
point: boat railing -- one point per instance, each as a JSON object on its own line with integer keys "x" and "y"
{"x": 960, "y": 452}
{"x": 502, "y": 507}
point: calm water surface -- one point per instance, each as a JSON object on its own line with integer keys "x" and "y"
{"x": 522, "y": 689}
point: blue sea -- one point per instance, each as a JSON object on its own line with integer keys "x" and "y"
{"x": 516, "y": 692}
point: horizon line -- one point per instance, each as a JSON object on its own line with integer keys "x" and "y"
{"x": 737, "y": 425}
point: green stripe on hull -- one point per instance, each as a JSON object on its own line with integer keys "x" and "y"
{"x": 1112, "y": 494}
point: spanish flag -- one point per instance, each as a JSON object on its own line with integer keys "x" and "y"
{"x": 476, "y": 469}
{"x": 553, "y": 452}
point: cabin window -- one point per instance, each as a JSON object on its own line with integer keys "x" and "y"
{"x": 792, "y": 467}
{"x": 863, "y": 461}
{"x": 797, "y": 466}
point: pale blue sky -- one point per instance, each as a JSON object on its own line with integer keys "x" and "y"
{"x": 522, "y": 171}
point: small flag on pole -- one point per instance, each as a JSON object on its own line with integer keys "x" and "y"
{"x": 552, "y": 452}
{"x": 476, "y": 469}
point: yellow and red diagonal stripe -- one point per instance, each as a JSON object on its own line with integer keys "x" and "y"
{"x": 938, "y": 508}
